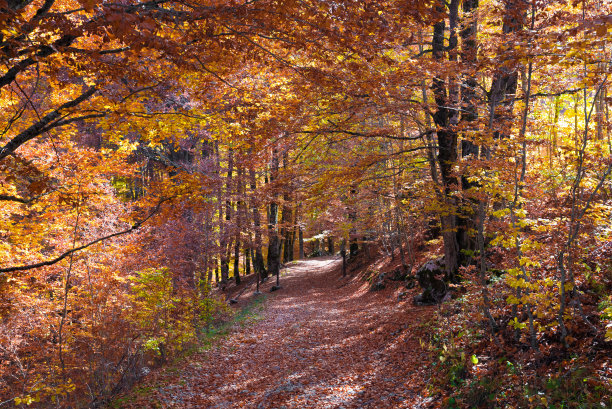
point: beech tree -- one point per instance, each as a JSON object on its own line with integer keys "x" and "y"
{"x": 150, "y": 148}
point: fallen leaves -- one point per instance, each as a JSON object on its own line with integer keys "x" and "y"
{"x": 319, "y": 346}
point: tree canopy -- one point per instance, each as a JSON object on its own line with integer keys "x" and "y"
{"x": 153, "y": 151}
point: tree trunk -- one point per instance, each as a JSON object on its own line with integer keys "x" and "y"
{"x": 301, "y": 240}
{"x": 444, "y": 117}
{"x": 226, "y": 242}
{"x": 287, "y": 217}
{"x": 505, "y": 79}
{"x": 208, "y": 265}
{"x": 237, "y": 261}
{"x": 466, "y": 220}
{"x": 343, "y": 254}
{"x": 240, "y": 216}
{"x": 258, "y": 261}
{"x": 400, "y": 240}
{"x": 353, "y": 244}
{"x": 238, "y": 227}
{"x": 216, "y": 271}
{"x": 353, "y": 247}
{"x": 273, "y": 239}
{"x": 287, "y": 244}
{"x": 247, "y": 261}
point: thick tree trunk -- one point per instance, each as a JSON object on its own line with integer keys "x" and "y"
{"x": 466, "y": 220}
{"x": 316, "y": 247}
{"x": 445, "y": 118}
{"x": 505, "y": 79}
{"x": 353, "y": 247}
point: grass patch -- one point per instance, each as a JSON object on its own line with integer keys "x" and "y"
{"x": 136, "y": 394}
{"x": 246, "y": 316}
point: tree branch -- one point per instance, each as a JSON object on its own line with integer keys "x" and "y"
{"x": 62, "y": 256}
{"x": 8, "y": 198}
{"x": 45, "y": 51}
{"x": 43, "y": 124}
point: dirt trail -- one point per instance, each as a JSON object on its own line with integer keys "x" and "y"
{"x": 324, "y": 342}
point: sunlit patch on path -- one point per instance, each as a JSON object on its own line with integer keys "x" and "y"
{"x": 321, "y": 345}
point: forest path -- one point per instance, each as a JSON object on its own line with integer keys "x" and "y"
{"x": 324, "y": 342}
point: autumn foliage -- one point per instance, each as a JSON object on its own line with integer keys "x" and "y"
{"x": 154, "y": 154}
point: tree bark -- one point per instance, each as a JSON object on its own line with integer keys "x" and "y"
{"x": 237, "y": 260}
{"x": 247, "y": 261}
{"x": 258, "y": 260}
{"x": 226, "y": 242}
{"x": 240, "y": 216}
{"x": 287, "y": 217}
{"x": 444, "y": 117}
{"x": 505, "y": 79}
{"x": 353, "y": 244}
{"x": 273, "y": 239}
{"x": 301, "y": 245}
{"x": 466, "y": 220}
{"x": 343, "y": 254}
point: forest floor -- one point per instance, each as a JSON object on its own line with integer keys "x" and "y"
{"x": 322, "y": 341}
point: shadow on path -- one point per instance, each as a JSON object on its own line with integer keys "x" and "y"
{"x": 325, "y": 342}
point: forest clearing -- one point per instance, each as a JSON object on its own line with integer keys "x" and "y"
{"x": 305, "y": 204}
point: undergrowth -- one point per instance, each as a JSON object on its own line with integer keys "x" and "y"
{"x": 208, "y": 337}
{"x": 249, "y": 314}
{"x": 474, "y": 370}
